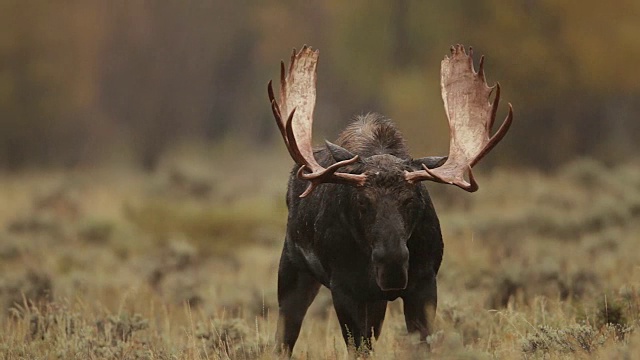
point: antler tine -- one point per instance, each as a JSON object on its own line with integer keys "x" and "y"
{"x": 312, "y": 185}
{"x": 330, "y": 175}
{"x": 292, "y": 59}
{"x": 494, "y": 107}
{"x": 276, "y": 111}
{"x": 283, "y": 81}
{"x": 278, "y": 117}
{"x": 293, "y": 143}
{"x": 470, "y": 186}
{"x": 495, "y": 139}
{"x": 465, "y": 94}
{"x": 481, "y": 69}
{"x": 297, "y": 101}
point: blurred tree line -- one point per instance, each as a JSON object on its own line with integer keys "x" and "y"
{"x": 80, "y": 80}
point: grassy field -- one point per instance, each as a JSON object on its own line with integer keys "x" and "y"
{"x": 116, "y": 264}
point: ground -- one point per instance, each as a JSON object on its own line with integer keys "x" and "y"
{"x": 113, "y": 263}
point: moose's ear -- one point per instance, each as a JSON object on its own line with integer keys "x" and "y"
{"x": 338, "y": 152}
{"x": 431, "y": 162}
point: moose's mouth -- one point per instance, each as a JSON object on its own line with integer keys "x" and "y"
{"x": 391, "y": 278}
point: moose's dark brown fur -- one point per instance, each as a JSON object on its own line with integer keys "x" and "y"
{"x": 355, "y": 240}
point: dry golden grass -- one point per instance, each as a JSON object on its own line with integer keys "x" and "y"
{"x": 115, "y": 264}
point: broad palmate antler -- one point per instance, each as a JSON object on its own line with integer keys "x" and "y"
{"x": 465, "y": 94}
{"x": 297, "y": 101}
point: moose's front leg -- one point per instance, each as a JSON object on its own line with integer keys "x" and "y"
{"x": 420, "y": 307}
{"x": 359, "y": 321}
{"x": 296, "y": 291}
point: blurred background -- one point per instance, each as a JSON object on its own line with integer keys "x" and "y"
{"x": 88, "y": 82}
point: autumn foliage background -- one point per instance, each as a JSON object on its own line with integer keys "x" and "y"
{"x": 142, "y": 177}
{"x": 85, "y": 82}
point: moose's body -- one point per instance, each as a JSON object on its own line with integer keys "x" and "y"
{"x": 370, "y": 233}
{"x": 330, "y": 238}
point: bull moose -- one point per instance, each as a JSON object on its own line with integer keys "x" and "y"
{"x": 370, "y": 233}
